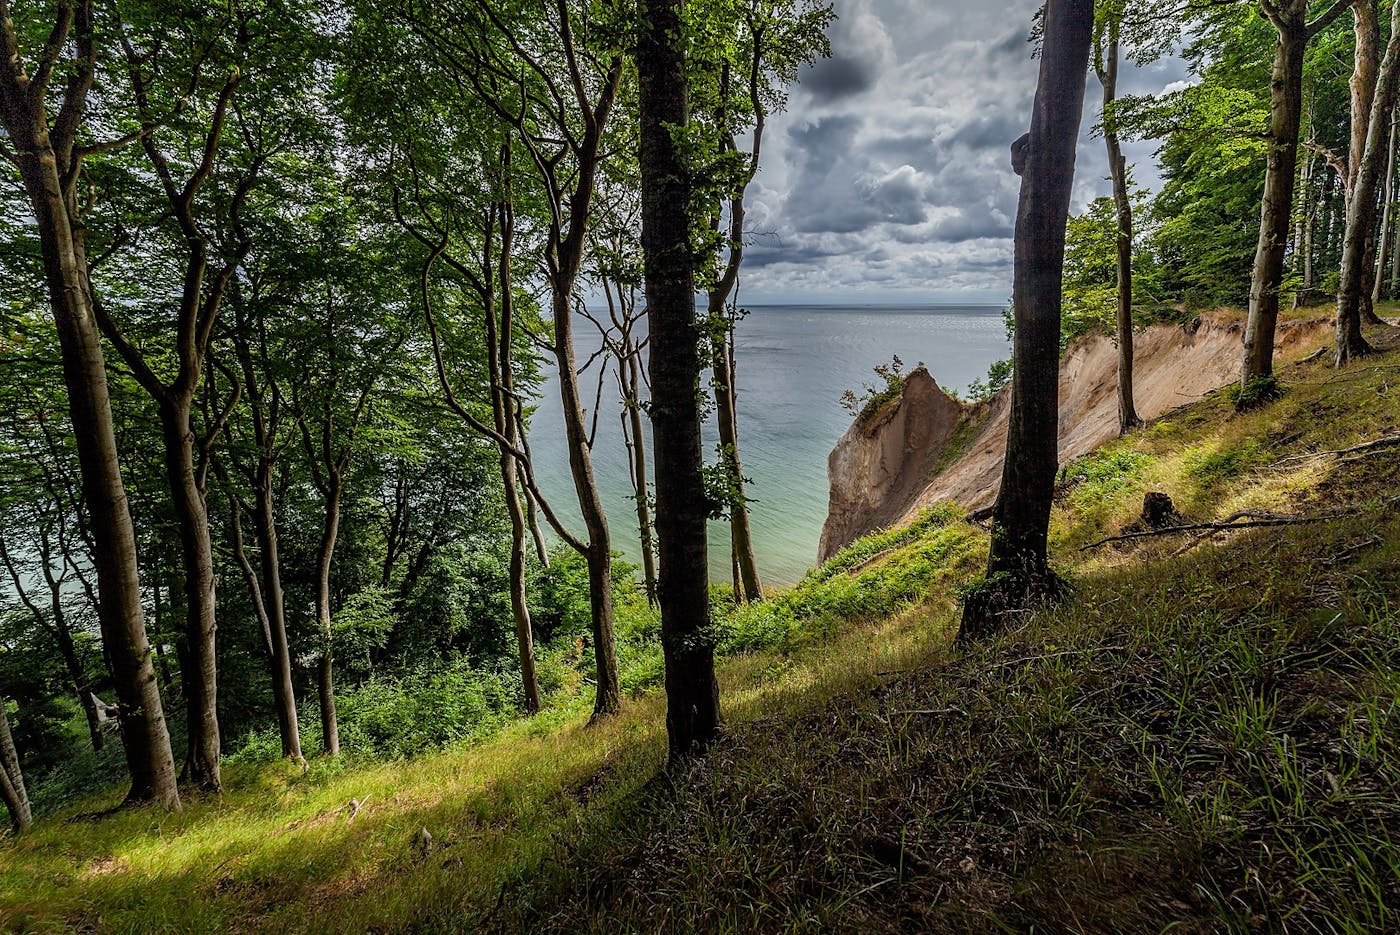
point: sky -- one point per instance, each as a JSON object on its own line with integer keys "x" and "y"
{"x": 888, "y": 178}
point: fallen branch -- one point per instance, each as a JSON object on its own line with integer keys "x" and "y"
{"x": 1235, "y": 522}
{"x": 1385, "y": 441}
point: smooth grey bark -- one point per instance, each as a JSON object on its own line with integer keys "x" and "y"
{"x": 1354, "y": 288}
{"x": 1106, "y": 65}
{"x": 49, "y": 162}
{"x": 11, "y": 780}
{"x": 1289, "y": 18}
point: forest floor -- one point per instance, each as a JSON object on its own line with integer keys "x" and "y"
{"x": 1201, "y": 736}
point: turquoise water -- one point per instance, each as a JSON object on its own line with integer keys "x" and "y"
{"x": 794, "y": 362}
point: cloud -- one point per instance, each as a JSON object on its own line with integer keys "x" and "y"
{"x": 890, "y": 172}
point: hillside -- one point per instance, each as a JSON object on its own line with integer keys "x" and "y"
{"x": 924, "y": 447}
{"x": 1203, "y": 734}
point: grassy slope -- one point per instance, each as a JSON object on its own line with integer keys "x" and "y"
{"x": 1204, "y": 733}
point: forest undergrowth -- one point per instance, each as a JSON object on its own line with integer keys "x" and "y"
{"x": 1202, "y": 735}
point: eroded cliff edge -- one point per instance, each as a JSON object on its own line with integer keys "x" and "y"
{"x": 924, "y": 446}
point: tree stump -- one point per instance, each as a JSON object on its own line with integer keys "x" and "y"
{"x": 1158, "y": 511}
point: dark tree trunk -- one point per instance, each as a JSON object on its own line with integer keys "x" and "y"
{"x": 199, "y": 675}
{"x": 682, "y": 510}
{"x": 1018, "y": 569}
{"x": 47, "y": 168}
{"x": 1357, "y": 244}
{"x": 11, "y": 780}
{"x": 1123, "y": 205}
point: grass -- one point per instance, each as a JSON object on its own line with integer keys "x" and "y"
{"x": 1201, "y": 736}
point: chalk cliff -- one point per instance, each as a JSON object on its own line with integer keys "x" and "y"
{"x": 903, "y": 458}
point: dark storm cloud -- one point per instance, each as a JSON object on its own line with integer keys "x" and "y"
{"x": 993, "y": 131}
{"x": 836, "y": 78}
{"x": 892, "y": 169}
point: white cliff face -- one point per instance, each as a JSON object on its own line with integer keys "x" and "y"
{"x": 882, "y": 463}
{"x": 884, "y": 472}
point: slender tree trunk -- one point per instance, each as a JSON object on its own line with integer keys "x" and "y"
{"x": 503, "y": 402}
{"x": 682, "y": 510}
{"x": 77, "y": 677}
{"x": 1286, "y": 97}
{"x": 632, "y": 430}
{"x": 274, "y": 603}
{"x": 608, "y": 694}
{"x": 325, "y": 672}
{"x": 1307, "y": 222}
{"x": 54, "y": 204}
{"x": 1122, "y": 201}
{"x": 1018, "y": 569}
{"x": 11, "y": 780}
{"x": 1380, "y": 287}
{"x": 1361, "y": 212}
{"x": 197, "y": 561}
{"x": 726, "y": 417}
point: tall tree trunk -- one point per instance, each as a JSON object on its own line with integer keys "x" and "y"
{"x": 500, "y": 353}
{"x": 49, "y": 178}
{"x": 274, "y": 604}
{"x": 1018, "y": 569}
{"x": 325, "y": 671}
{"x": 608, "y": 693}
{"x": 11, "y": 780}
{"x": 1381, "y": 287}
{"x": 1123, "y": 205}
{"x": 682, "y": 510}
{"x": 726, "y": 417}
{"x": 1290, "y": 20}
{"x": 1354, "y": 289}
{"x": 200, "y": 677}
{"x": 1286, "y": 95}
{"x": 641, "y": 493}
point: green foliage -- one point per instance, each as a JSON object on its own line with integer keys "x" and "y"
{"x": 1100, "y": 475}
{"x": 1256, "y": 392}
{"x": 425, "y": 708}
{"x": 998, "y": 375}
{"x": 872, "y": 396}
{"x": 874, "y": 576}
{"x": 1212, "y": 466}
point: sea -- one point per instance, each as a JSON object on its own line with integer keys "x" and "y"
{"x": 793, "y": 364}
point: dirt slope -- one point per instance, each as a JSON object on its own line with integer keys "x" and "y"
{"x": 886, "y": 468}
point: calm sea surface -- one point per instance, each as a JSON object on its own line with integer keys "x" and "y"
{"x": 794, "y": 362}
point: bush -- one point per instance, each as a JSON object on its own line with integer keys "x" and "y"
{"x": 424, "y": 708}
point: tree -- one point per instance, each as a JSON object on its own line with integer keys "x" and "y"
{"x": 1295, "y": 31}
{"x": 682, "y": 507}
{"x": 11, "y": 781}
{"x": 1018, "y": 569}
{"x": 1108, "y": 26}
{"x": 257, "y": 459}
{"x": 192, "y": 327}
{"x": 755, "y": 49}
{"x": 1359, "y": 241}
{"x": 546, "y": 73}
{"x": 50, "y": 163}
